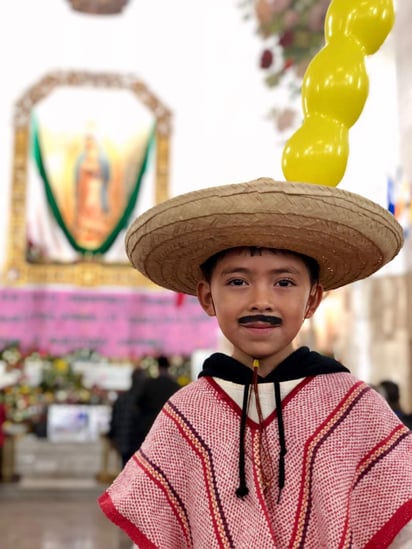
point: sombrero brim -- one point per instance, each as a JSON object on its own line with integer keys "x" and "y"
{"x": 350, "y": 236}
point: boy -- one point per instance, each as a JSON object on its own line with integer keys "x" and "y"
{"x": 272, "y": 446}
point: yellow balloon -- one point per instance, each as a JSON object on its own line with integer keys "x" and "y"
{"x": 335, "y": 88}
{"x": 317, "y": 152}
{"x": 336, "y": 83}
{"x": 367, "y": 21}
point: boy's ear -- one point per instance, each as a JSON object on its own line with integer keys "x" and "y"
{"x": 315, "y": 297}
{"x": 204, "y": 296}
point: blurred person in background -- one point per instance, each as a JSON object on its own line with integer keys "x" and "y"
{"x": 3, "y": 417}
{"x": 390, "y": 392}
{"x": 124, "y": 424}
{"x": 154, "y": 394}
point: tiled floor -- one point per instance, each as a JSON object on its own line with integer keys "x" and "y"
{"x": 35, "y": 514}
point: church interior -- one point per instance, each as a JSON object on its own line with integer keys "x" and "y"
{"x": 218, "y": 87}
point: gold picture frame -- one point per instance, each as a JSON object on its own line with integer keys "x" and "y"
{"x": 87, "y": 269}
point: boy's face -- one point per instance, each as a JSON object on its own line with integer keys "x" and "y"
{"x": 275, "y": 286}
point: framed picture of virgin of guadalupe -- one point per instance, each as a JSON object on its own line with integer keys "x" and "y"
{"x": 91, "y": 153}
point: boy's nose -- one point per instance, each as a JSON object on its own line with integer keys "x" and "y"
{"x": 261, "y": 300}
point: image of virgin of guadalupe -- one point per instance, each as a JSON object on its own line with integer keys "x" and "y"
{"x": 92, "y": 178}
{"x": 88, "y": 174}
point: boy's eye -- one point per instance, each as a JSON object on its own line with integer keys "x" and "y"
{"x": 284, "y": 283}
{"x": 236, "y": 282}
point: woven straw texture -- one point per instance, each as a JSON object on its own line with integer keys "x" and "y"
{"x": 350, "y": 236}
{"x": 348, "y": 473}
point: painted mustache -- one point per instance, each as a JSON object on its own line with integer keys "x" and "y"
{"x": 273, "y": 320}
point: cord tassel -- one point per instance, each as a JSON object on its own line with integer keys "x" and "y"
{"x": 282, "y": 441}
{"x": 242, "y": 489}
{"x": 265, "y": 459}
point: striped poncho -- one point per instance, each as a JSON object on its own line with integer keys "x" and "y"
{"x": 348, "y": 468}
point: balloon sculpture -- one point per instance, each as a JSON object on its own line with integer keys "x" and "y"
{"x": 334, "y": 90}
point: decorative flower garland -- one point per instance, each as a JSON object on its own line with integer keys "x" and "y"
{"x": 292, "y": 31}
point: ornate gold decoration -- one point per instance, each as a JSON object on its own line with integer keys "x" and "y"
{"x": 98, "y": 7}
{"x": 87, "y": 272}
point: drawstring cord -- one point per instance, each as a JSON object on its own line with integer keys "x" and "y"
{"x": 282, "y": 440}
{"x": 242, "y": 489}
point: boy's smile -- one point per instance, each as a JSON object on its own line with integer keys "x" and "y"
{"x": 260, "y": 302}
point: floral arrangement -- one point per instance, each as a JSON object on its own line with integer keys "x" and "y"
{"x": 59, "y": 383}
{"x": 26, "y": 404}
{"x": 293, "y": 32}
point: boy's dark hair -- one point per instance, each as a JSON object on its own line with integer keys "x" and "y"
{"x": 209, "y": 265}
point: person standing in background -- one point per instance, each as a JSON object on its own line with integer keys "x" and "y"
{"x": 390, "y": 392}
{"x": 3, "y": 417}
{"x": 155, "y": 392}
{"x": 124, "y": 424}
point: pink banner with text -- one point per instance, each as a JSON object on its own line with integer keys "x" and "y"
{"x": 115, "y": 324}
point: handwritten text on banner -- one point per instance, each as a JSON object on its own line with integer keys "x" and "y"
{"x": 115, "y": 324}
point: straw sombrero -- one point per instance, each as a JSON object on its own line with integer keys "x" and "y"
{"x": 350, "y": 236}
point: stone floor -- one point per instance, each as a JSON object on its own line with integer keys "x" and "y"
{"x": 53, "y": 504}
{"x": 55, "y": 514}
